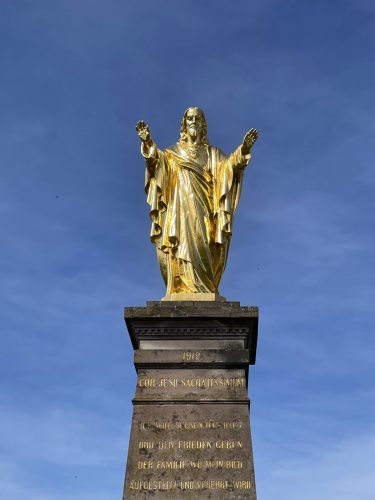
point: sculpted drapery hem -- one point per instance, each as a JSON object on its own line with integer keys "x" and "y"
{"x": 191, "y": 208}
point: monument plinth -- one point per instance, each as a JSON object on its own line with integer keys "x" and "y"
{"x": 190, "y": 435}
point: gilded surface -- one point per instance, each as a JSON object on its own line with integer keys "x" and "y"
{"x": 193, "y": 190}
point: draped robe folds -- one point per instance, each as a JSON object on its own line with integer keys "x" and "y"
{"x": 191, "y": 208}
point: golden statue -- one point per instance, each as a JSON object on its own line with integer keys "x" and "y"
{"x": 193, "y": 190}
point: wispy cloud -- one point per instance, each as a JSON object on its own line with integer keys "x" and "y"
{"x": 62, "y": 436}
{"x": 339, "y": 472}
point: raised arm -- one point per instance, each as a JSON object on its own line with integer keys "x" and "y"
{"x": 143, "y": 131}
{"x": 148, "y": 147}
{"x": 249, "y": 141}
{"x": 241, "y": 156}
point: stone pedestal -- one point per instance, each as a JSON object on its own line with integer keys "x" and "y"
{"x": 190, "y": 435}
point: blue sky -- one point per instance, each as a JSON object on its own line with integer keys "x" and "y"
{"x": 75, "y": 77}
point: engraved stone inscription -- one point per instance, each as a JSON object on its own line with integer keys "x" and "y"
{"x": 191, "y": 356}
{"x": 187, "y": 384}
{"x": 182, "y": 449}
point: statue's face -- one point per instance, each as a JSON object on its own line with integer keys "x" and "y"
{"x": 194, "y": 123}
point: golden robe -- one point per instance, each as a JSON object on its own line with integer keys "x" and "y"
{"x": 192, "y": 203}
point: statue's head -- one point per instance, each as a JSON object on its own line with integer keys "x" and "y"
{"x": 194, "y": 123}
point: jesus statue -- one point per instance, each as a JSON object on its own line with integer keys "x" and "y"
{"x": 193, "y": 190}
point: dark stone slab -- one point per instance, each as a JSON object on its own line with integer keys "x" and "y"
{"x": 222, "y": 321}
{"x": 190, "y": 451}
{"x": 196, "y": 384}
{"x": 179, "y": 358}
{"x": 190, "y": 436}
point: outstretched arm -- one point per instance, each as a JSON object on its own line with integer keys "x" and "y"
{"x": 241, "y": 156}
{"x": 249, "y": 141}
{"x": 155, "y": 178}
{"x": 143, "y": 131}
{"x": 148, "y": 147}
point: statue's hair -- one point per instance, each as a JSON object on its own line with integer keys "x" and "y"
{"x": 204, "y": 138}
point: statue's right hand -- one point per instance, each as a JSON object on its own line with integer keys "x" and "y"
{"x": 143, "y": 132}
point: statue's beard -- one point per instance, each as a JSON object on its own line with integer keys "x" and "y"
{"x": 193, "y": 132}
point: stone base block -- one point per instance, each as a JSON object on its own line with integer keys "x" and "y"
{"x": 190, "y": 436}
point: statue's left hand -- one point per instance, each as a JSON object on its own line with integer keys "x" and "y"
{"x": 249, "y": 141}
